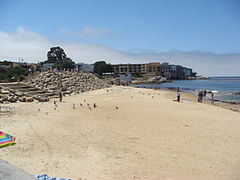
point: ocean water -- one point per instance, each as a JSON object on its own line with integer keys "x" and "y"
{"x": 224, "y": 88}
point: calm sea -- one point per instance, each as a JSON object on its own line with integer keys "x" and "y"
{"x": 224, "y": 88}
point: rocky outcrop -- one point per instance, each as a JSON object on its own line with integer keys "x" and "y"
{"x": 68, "y": 82}
{"x": 49, "y": 84}
{"x": 155, "y": 79}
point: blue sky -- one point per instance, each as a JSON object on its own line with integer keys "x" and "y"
{"x": 133, "y": 27}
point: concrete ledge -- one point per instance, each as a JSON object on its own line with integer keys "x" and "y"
{"x": 10, "y": 172}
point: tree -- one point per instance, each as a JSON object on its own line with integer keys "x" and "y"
{"x": 101, "y": 67}
{"x": 66, "y": 63}
{"x": 57, "y": 56}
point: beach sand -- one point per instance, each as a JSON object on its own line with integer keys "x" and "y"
{"x": 132, "y": 134}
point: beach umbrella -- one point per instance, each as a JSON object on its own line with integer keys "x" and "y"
{"x": 6, "y": 139}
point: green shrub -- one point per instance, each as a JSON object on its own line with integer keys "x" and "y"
{"x": 14, "y": 73}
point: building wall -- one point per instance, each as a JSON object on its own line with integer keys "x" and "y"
{"x": 152, "y": 68}
{"x": 85, "y": 67}
{"x": 130, "y": 68}
{"x": 169, "y": 71}
{"x": 174, "y": 71}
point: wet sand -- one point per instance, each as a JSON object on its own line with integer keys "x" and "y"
{"x": 132, "y": 134}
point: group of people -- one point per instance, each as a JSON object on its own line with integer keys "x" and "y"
{"x": 201, "y": 94}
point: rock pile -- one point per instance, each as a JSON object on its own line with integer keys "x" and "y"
{"x": 68, "y": 82}
{"x": 48, "y": 84}
{"x": 10, "y": 95}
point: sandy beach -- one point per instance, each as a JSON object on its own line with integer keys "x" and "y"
{"x": 132, "y": 134}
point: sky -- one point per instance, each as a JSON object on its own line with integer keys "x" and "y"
{"x": 203, "y": 34}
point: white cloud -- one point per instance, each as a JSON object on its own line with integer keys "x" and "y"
{"x": 92, "y": 33}
{"x": 33, "y": 47}
{"x": 24, "y": 44}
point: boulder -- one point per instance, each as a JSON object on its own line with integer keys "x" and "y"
{"x": 12, "y": 99}
{"x": 29, "y": 99}
{"x": 41, "y": 98}
{"x": 22, "y": 99}
{"x": 64, "y": 88}
{"x": 5, "y": 97}
{"x": 12, "y": 90}
{"x": 18, "y": 93}
{"x": 5, "y": 91}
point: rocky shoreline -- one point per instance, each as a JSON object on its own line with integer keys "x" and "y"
{"x": 155, "y": 79}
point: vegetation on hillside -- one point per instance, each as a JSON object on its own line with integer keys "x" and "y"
{"x": 14, "y": 73}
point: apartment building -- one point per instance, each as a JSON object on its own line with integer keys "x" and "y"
{"x": 152, "y": 68}
{"x": 130, "y": 68}
{"x": 170, "y": 71}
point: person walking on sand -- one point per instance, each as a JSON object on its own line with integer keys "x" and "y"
{"x": 212, "y": 98}
{"x": 60, "y": 96}
{"x": 178, "y": 96}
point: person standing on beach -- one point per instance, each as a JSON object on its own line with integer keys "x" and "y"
{"x": 178, "y": 96}
{"x": 205, "y": 93}
{"x": 212, "y": 98}
{"x": 60, "y": 96}
{"x": 200, "y": 96}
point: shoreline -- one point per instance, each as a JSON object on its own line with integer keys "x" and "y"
{"x": 193, "y": 97}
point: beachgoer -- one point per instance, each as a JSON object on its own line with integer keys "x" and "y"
{"x": 200, "y": 96}
{"x": 30, "y": 70}
{"x": 205, "y": 93}
{"x": 212, "y": 98}
{"x": 178, "y": 96}
{"x": 60, "y": 96}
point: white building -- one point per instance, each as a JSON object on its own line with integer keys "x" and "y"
{"x": 85, "y": 67}
{"x": 47, "y": 66}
